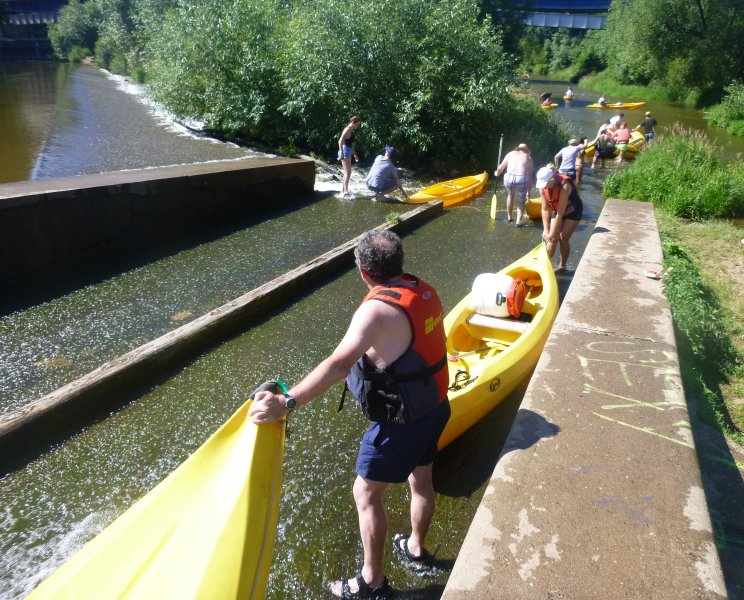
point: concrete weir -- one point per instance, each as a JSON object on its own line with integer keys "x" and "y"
{"x": 104, "y": 388}
{"x": 64, "y": 222}
{"x": 598, "y": 492}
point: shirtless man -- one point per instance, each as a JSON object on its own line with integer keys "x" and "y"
{"x": 519, "y": 168}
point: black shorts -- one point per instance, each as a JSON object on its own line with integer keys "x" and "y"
{"x": 390, "y": 452}
{"x": 576, "y": 213}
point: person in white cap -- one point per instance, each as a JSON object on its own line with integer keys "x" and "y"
{"x": 566, "y": 158}
{"x": 562, "y": 209}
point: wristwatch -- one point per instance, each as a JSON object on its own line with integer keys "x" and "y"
{"x": 289, "y": 402}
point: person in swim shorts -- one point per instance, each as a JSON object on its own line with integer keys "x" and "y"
{"x": 562, "y": 210}
{"x": 621, "y": 138}
{"x": 517, "y": 179}
{"x": 394, "y": 359}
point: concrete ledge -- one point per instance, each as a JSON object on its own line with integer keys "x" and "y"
{"x": 104, "y": 388}
{"x": 598, "y": 493}
{"x": 67, "y": 221}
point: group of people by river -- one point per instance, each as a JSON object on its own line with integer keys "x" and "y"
{"x": 398, "y": 331}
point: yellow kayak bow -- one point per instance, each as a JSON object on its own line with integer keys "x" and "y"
{"x": 205, "y": 531}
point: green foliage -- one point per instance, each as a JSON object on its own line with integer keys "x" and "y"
{"x": 215, "y": 60}
{"x": 78, "y": 54}
{"x": 702, "y": 333}
{"x": 730, "y": 113}
{"x": 76, "y": 27}
{"x": 682, "y": 173}
{"x": 430, "y": 81}
{"x": 689, "y": 48}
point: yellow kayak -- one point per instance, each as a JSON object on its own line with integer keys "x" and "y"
{"x": 635, "y": 145}
{"x": 533, "y": 207}
{"x": 550, "y": 106}
{"x": 616, "y": 105}
{"x": 206, "y": 531}
{"x": 489, "y": 356}
{"x": 452, "y": 191}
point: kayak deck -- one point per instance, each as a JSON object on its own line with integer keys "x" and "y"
{"x": 489, "y": 356}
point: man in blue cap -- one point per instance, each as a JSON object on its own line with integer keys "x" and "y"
{"x": 383, "y": 176}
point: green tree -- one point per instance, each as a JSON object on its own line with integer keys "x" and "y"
{"x": 686, "y": 46}
{"x": 77, "y": 26}
{"x": 214, "y": 60}
{"x": 429, "y": 80}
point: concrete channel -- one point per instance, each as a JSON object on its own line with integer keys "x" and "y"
{"x": 64, "y": 222}
{"x": 103, "y": 389}
{"x": 598, "y": 492}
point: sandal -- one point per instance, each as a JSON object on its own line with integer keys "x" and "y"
{"x": 365, "y": 591}
{"x": 416, "y": 563}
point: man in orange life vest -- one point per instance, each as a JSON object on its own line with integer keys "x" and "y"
{"x": 394, "y": 358}
{"x": 561, "y": 211}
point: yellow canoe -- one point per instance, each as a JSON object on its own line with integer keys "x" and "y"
{"x": 616, "y": 105}
{"x": 635, "y": 145}
{"x": 206, "y": 531}
{"x": 533, "y": 207}
{"x": 549, "y": 106}
{"x": 490, "y": 356}
{"x": 452, "y": 191}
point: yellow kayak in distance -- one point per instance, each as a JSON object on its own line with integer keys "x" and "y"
{"x": 550, "y": 106}
{"x": 489, "y": 356}
{"x": 616, "y": 105}
{"x": 205, "y": 531}
{"x": 452, "y": 191}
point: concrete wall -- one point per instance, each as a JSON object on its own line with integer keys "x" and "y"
{"x": 597, "y": 492}
{"x": 67, "y": 221}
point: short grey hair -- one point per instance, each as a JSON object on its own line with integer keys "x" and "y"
{"x": 380, "y": 254}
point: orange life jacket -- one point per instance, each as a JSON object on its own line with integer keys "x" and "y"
{"x": 553, "y": 195}
{"x": 416, "y": 382}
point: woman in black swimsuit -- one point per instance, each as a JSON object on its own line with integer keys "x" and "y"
{"x": 562, "y": 210}
{"x": 346, "y": 152}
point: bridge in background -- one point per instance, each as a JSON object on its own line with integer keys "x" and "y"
{"x": 568, "y": 14}
{"x": 24, "y": 34}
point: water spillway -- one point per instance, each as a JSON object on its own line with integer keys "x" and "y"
{"x": 68, "y": 494}
{"x": 62, "y": 223}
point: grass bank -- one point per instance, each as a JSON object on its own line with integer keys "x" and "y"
{"x": 696, "y": 196}
{"x": 602, "y": 83}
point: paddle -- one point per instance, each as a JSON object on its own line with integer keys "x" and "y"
{"x": 498, "y": 162}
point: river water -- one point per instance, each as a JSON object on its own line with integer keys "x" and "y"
{"x": 68, "y": 494}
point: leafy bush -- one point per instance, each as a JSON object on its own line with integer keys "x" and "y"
{"x": 78, "y": 54}
{"x": 215, "y": 60}
{"x": 76, "y": 27}
{"x": 730, "y": 112}
{"x": 294, "y": 72}
{"x": 683, "y": 173}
